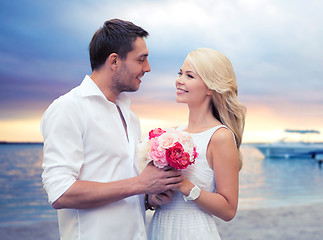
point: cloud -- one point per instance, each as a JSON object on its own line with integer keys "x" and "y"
{"x": 274, "y": 46}
{"x": 269, "y": 42}
{"x": 22, "y": 96}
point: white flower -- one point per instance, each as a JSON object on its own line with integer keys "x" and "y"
{"x": 143, "y": 149}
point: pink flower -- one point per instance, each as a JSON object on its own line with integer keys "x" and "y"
{"x": 170, "y": 147}
{"x": 157, "y": 154}
{"x": 156, "y": 133}
{"x": 176, "y": 157}
{"x": 195, "y": 154}
{"x": 168, "y": 139}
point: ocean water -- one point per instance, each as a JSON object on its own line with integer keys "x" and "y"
{"x": 266, "y": 182}
{"x": 22, "y": 197}
{"x": 263, "y": 183}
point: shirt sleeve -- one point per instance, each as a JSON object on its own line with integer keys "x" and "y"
{"x": 63, "y": 157}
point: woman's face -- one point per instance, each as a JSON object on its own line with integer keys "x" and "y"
{"x": 191, "y": 89}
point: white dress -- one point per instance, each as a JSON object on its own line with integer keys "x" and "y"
{"x": 180, "y": 220}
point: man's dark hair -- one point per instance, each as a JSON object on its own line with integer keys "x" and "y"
{"x": 115, "y": 36}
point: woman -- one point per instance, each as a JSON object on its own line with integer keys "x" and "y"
{"x": 207, "y": 84}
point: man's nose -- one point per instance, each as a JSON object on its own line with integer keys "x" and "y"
{"x": 147, "y": 67}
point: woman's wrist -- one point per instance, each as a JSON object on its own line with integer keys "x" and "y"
{"x": 186, "y": 187}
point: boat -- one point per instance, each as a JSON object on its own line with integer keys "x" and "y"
{"x": 292, "y": 149}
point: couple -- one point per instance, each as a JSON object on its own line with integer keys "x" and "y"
{"x": 91, "y": 170}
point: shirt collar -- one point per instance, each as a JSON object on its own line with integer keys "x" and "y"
{"x": 89, "y": 88}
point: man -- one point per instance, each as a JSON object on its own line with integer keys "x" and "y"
{"x": 91, "y": 171}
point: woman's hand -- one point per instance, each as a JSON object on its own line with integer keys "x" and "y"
{"x": 160, "y": 198}
{"x": 185, "y": 188}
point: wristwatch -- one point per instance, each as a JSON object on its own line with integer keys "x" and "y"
{"x": 194, "y": 194}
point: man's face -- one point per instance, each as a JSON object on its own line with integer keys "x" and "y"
{"x": 132, "y": 69}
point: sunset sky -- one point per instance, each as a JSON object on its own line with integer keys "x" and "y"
{"x": 275, "y": 48}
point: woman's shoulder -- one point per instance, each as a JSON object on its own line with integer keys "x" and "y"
{"x": 222, "y": 136}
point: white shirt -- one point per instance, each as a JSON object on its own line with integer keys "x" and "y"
{"x": 84, "y": 139}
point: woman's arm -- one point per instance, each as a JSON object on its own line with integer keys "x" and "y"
{"x": 223, "y": 158}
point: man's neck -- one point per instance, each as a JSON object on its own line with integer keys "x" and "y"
{"x": 103, "y": 83}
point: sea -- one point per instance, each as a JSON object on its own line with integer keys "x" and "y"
{"x": 264, "y": 183}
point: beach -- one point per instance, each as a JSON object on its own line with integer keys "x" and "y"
{"x": 273, "y": 203}
{"x": 283, "y": 223}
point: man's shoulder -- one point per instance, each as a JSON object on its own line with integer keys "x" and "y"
{"x": 67, "y": 101}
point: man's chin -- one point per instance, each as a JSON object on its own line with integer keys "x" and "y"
{"x": 133, "y": 89}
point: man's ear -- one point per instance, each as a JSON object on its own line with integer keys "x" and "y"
{"x": 113, "y": 60}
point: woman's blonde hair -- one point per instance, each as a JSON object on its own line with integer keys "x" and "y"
{"x": 217, "y": 73}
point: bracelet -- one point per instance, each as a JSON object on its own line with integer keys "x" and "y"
{"x": 147, "y": 205}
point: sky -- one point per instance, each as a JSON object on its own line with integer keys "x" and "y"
{"x": 275, "y": 47}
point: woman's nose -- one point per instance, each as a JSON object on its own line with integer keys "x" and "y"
{"x": 179, "y": 80}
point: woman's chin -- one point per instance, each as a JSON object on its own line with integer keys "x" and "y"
{"x": 178, "y": 100}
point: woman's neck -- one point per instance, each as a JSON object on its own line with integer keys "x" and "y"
{"x": 200, "y": 119}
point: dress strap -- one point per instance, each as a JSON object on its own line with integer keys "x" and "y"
{"x": 221, "y": 126}
{"x": 182, "y": 127}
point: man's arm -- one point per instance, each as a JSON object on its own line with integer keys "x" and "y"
{"x": 86, "y": 194}
{"x": 62, "y": 128}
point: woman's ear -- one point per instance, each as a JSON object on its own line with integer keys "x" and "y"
{"x": 209, "y": 92}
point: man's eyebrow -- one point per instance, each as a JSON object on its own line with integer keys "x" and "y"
{"x": 143, "y": 55}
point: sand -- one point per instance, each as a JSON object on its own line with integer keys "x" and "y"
{"x": 284, "y": 223}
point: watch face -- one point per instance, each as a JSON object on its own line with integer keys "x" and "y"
{"x": 195, "y": 192}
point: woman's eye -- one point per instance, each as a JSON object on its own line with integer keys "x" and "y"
{"x": 179, "y": 73}
{"x": 190, "y": 76}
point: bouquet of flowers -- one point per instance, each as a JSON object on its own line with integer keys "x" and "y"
{"x": 169, "y": 147}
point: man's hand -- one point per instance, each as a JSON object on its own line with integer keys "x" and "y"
{"x": 156, "y": 180}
